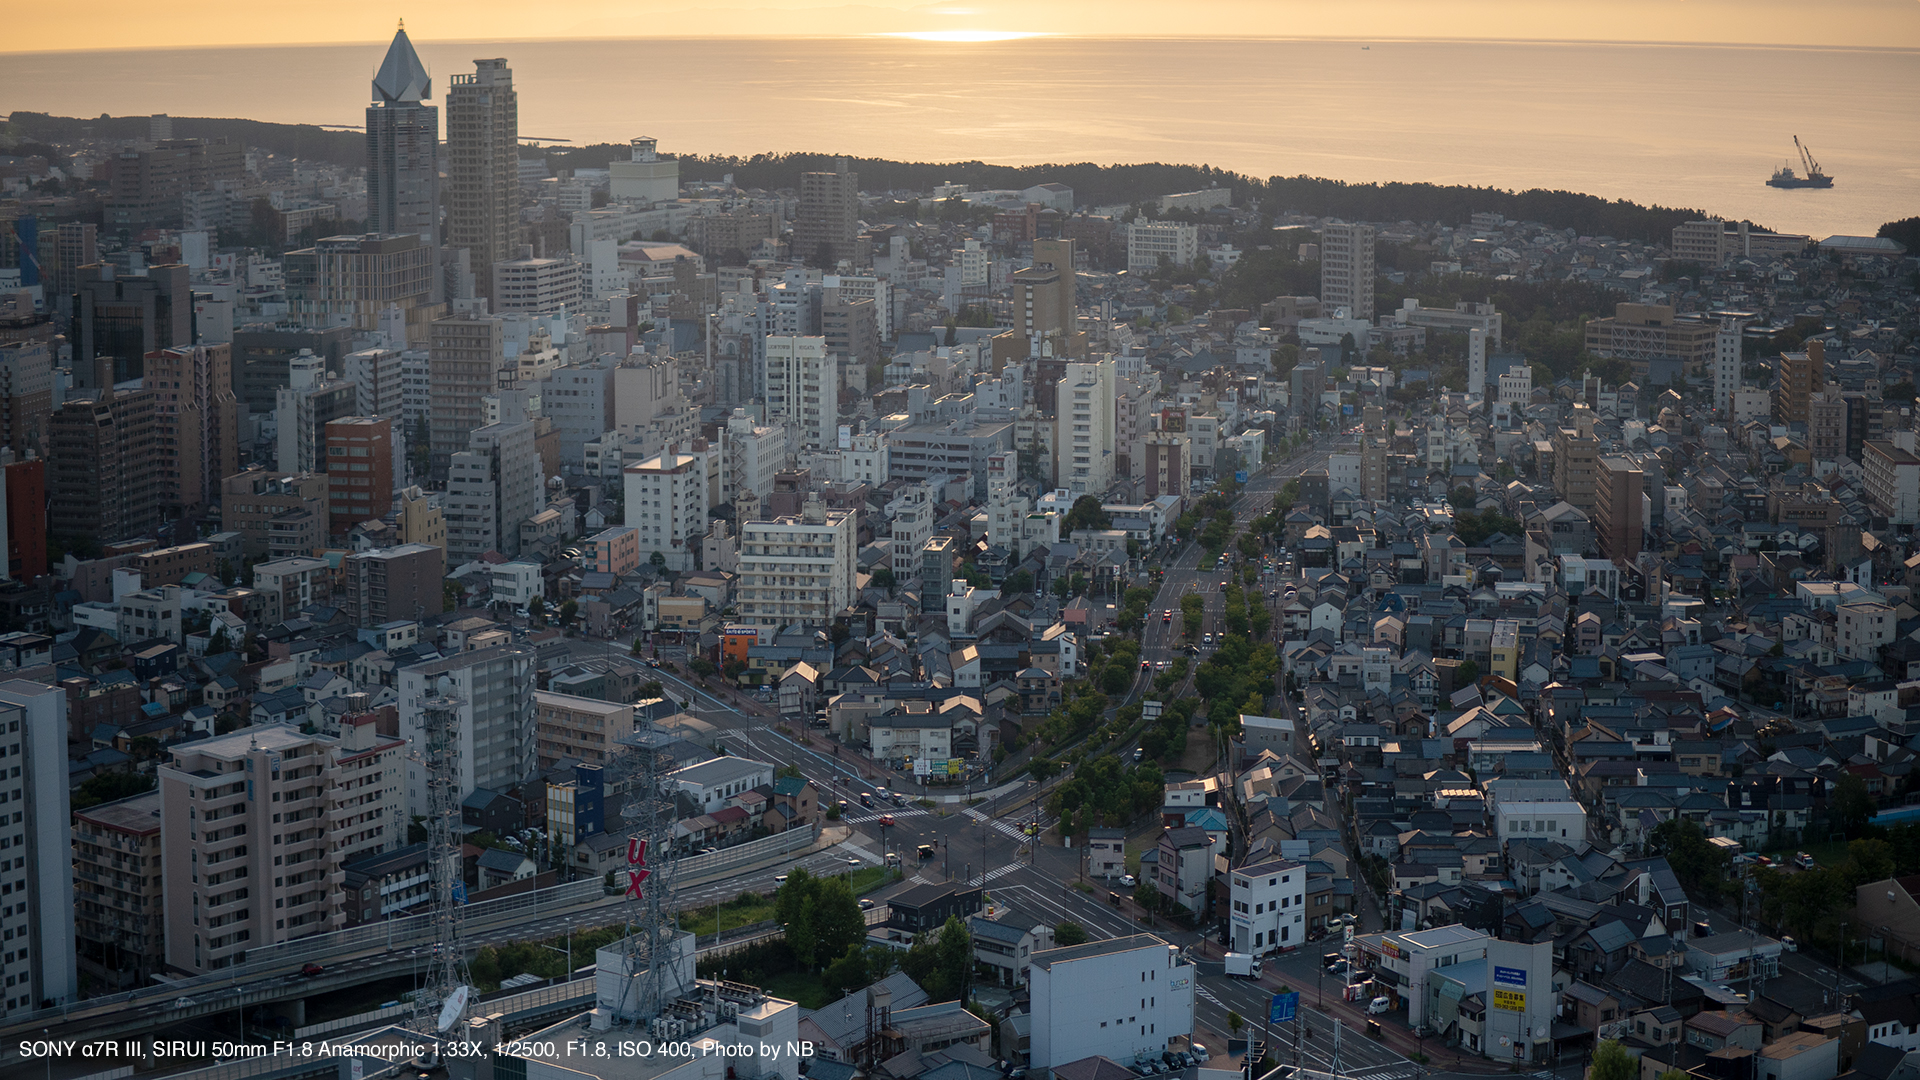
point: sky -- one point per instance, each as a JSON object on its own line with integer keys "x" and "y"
{"x": 42, "y": 26}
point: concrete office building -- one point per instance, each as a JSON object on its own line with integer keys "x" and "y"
{"x": 1346, "y": 270}
{"x": 796, "y": 569}
{"x": 1269, "y": 907}
{"x": 851, "y": 327}
{"x": 402, "y": 582}
{"x": 403, "y": 148}
{"x": 803, "y": 389}
{"x": 103, "y": 459}
{"x": 39, "y": 962}
{"x": 1166, "y": 464}
{"x": 463, "y": 367}
{"x": 360, "y": 470}
{"x": 573, "y": 728}
{"x": 492, "y": 486}
{"x": 935, "y": 449}
{"x": 1575, "y": 451}
{"x": 126, "y": 317}
{"x": 256, "y": 826}
{"x": 1083, "y": 443}
{"x": 1617, "y": 490}
{"x": 646, "y": 178}
{"x": 537, "y": 285}
{"x": 119, "y": 900}
{"x": 578, "y": 398}
{"x": 378, "y": 386}
{"x": 1646, "y": 332}
{"x": 352, "y": 281}
{"x": 304, "y": 407}
{"x": 828, "y": 221}
{"x": 196, "y": 421}
{"x": 255, "y": 501}
{"x": 263, "y": 355}
{"x": 1149, "y": 243}
{"x": 667, "y": 503}
{"x": 492, "y": 690}
{"x": 1892, "y": 482}
{"x": 483, "y": 167}
{"x": 1116, "y": 998}
{"x": 26, "y": 396}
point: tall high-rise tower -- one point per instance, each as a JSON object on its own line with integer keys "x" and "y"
{"x": 829, "y": 217}
{"x": 403, "y": 145}
{"x": 483, "y": 167}
{"x": 1726, "y": 362}
{"x": 1346, "y": 269}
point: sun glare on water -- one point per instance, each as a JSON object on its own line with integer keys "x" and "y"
{"x": 964, "y": 35}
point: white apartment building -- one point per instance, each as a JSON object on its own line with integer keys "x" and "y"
{"x": 492, "y": 691}
{"x": 578, "y": 398}
{"x": 1150, "y": 241}
{"x": 256, "y": 826}
{"x": 912, "y": 524}
{"x": 492, "y": 486}
{"x": 416, "y": 388}
{"x": 1346, "y": 270}
{"x": 1118, "y": 998}
{"x": 1726, "y": 363}
{"x": 666, "y": 500}
{"x": 755, "y": 452}
{"x": 1006, "y": 508}
{"x": 1892, "y": 481}
{"x": 536, "y": 285}
{"x": 1516, "y": 386}
{"x": 1861, "y": 628}
{"x": 803, "y": 388}
{"x": 1083, "y": 443}
{"x": 646, "y": 178}
{"x": 796, "y": 569}
{"x": 37, "y": 955}
{"x": 864, "y": 287}
{"x": 1269, "y": 906}
{"x": 711, "y": 783}
{"x": 377, "y": 379}
{"x": 865, "y": 460}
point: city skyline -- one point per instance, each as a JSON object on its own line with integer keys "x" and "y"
{"x": 1871, "y": 24}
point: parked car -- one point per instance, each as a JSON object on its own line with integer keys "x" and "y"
{"x": 1200, "y": 1052}
{"x": 1128, "y": 880}
{"x": 1379, "y": 1005}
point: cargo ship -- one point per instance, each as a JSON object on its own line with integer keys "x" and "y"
{"x": 1785, "y": 177}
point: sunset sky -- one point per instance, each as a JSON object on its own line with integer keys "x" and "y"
{"x": 1861, "y": 23}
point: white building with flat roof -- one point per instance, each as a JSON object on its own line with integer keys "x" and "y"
{"x": 40, "y": 963}
{"x": 666, "y": 501}
{"x": 1118, "y": 997}
{"x": 711, "y": 783}
{"x": 1269, "y": 903}
{"x": 803, "y": 388}
{"x": 1148, "y": 242}
{"x": 796, "y": 570}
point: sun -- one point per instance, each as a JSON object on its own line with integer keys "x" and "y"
{"x": 965, "y": 36}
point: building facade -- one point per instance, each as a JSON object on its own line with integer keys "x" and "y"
{"x": 483, "y": 167}
{"x": 39, "y": 962}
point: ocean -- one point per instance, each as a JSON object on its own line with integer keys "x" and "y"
{"x": 1676, "y": 125}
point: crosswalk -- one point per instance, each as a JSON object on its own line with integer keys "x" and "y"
{"x": 862, "y": 819}
{"x": 993, "y": 875}
{"x": 1004, "y": 827}
{"x": 1207, "y": 995}
{"x": 1397, "y": 1070}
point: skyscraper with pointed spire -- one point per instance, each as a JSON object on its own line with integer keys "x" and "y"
{"x": 483, "y": 167}
{"x": 403, "y": 147}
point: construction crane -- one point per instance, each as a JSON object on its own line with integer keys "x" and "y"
{"x": 1806, "y": 158}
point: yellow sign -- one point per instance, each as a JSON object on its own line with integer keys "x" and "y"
{"x": 1510, "y": 1000}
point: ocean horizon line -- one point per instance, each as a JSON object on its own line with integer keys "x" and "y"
{"x": 1024, "y": 38}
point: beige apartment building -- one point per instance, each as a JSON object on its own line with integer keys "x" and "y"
{"x": 566, "y": 728}
{"x": 258, "y": 825}
{"x": 796, "y": 569}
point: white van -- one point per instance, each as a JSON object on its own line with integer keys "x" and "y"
{"x": 1379, "y": 1005}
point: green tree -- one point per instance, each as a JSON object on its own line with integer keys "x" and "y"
{"x": 537, "y": 610}
{"x": 1852, "y": 807}
{"x": 1020, "y": 581}
{"x": 1611, "y": 1061}
{"x": 1086, "y": 513}
{"x": 1234, "y": 1023}
{"x": 1069, "y": 933}
{"x": 107, "y": 787}
{"x": 569, "y": 611}
{"x": 1701, "y": 867}
{"x": 1466, "y": 674}
{"x": 658, "y": 559}
{"x": 942, "y": 962}
{"x": 883, "y": 578}
{"x": 849, "y": 972}
{"x": 651, "y": 690}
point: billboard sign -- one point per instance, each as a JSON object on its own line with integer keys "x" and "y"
{"x": 1506, "y": 976}
{"x": 1283, "y": 1007}
{"x": 1510, "y": 1000}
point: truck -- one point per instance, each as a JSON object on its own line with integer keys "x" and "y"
{"x": 1243, "y": 965}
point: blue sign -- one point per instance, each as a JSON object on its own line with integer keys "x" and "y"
{"x": 459, "y": 892}
{"x": 1506, "y": 976}
{"x": 1240, "y": 477}
{"x": 1282, "y": 1008}
{"x": 1348, "y": 409}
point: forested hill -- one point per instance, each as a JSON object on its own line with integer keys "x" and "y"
{"x": 1093, "y": 185}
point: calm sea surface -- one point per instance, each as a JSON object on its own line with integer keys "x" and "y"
{"x": 1675, "y": 125}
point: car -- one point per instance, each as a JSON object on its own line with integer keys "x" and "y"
{"x": 866, "y": 799}
{"x": 1804, "y": 861}
{"x": 1379, "y": 1005}
{"x": 1142, "y": 1070}
{"x": 1166, "y": 617}
{"x": 1332, "y": 958}
{"x": 1146, "y": 665}
{"x": 183, "y": 1003}
{"x": 1789, "y": 944}
{"x": 926, "y": 852}
{"x": 855, "y": 860}
{"x": 1200, "y": 1051}
{"x": 1139, "y": 752}
{"x": 310, "y": 970}
{"x": 1338, "y": 967}
{"x": 781, "y": 880}
{"x": 886, "y": 819}
{"x": 866, "y": 903}
{"x": 1128, "y": 880}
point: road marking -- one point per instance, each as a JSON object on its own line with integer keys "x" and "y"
{"x": 862, "y": 819}
{"x": 1003, "y": 827}
{"x": 995, "y": 875}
